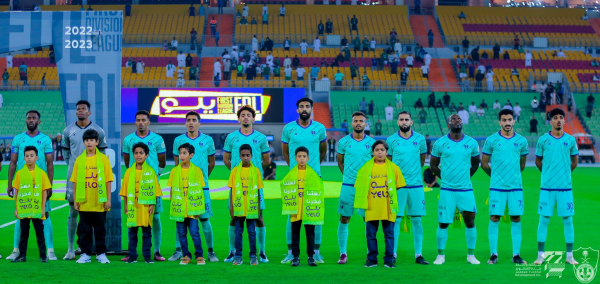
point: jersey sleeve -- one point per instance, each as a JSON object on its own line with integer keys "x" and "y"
{"x": 574, "y": 148}
{"x": 437, "y": 149}
{"x": 102, "y": 137}
{"x": 264, "y": 146}
{"x": 539, "y": 148}
{"x": 422, "y": 146}
{"x": 175, "y": 147}
{"x": 125, "y": 148}
{"x": 15, "y": 146}
{"x": 65, "y": 141}
{"x": 228, "y": 144}
{"x": 210, "y": 150}
{"x": 474, "y": 148}
{"x": 487, "y": 147}
{"x": 341, "y": 147}
{"x": 160, "y": 146}
{"x": 322, "y": 134}
{"x": 285, "y": 137}
{"x": 524, "y": 148}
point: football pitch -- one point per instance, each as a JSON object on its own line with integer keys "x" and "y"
{"x": 455, "y": 270}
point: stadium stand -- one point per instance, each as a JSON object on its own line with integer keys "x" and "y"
{"x": 15, "y": 106}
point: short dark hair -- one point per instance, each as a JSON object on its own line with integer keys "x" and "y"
{"x": 557, "y": 111}
{"x": 140, "y": 145}
{"x": 379, "y": 142}
{"x": 90, "y": 134}
{"x": 304, "y": 100}
{"x": 247, "y": 108}
{"x": 506, "y": 112}
{"x": 301, "y": 149}
{"x": 34, "y": 111}
{"x": 31, "y": 148}
{"x": 144, "y": 112}
{"x": 192, "y": 113}
{"x": 405, "y": 112}
{"x": 246, "y": 147}
{"x": 188, "y": 147}
{"x": 359, "y": 113}
{"x": 84, "y": 102}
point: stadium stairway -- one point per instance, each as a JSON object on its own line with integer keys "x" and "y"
{"x": 322, "y": 114}
{"x": 420, "y": 26}
{"x": 224, "y": 27}
{"x": 206, "y": 72}
{"x": 595, "y": 23}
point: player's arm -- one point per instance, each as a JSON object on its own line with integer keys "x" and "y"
{"x": 474, "y": 164}
{"x": 340, "y": 160}
{"x": 523, "y": 162}
{"x": 227, "y": 159}
{"x": 538, "y": 162}
{"x": 266, "y": 160}
{"x": 50, "y": 173}
{"x": 16, "y": 205}
{"x": 176, "y": 159}
{"x": 435, "y": 165}
{"x": 211, "y": 163}
{"x": 162, "y": 162}
{"x": 286, "y": 152}
{"x": 322, "y": 151}
{"x": 485, "y": 164}
{"x": 126, "y": 159}
{"x": 12, "y": 169}
{"x": 66, "y": 150}
{"x": 423, "y": 156}
{"x": 574, "y": 162}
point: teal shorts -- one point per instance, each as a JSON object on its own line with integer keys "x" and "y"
{"x": 158, "y": 208}
{"x": 563, "y": 199}
{"x": 346, "y": 205}
{"x": 499, "y": 198}
{"x": 414, "y": 198}
{"x": 48, "y": 207}
{"x": 261, "y": 195}
{"x": 452, "y": 199}
{"x": 208, "y": 213}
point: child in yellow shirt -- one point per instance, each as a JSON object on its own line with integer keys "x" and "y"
{"x": 376, "y": 185}
{"x": 31, "y": 184}
{"x": 92, "y": 177}
{"x": 140, "y": 201}
{"x": 245, "y": 182}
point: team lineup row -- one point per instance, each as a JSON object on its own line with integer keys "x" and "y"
{"x": 368, "y": 185}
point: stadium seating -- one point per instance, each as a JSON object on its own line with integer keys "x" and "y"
{"x": 593, "y": 123}
{"x": 487, "y": 26}
{"x": 300, "y": 22}
{"x": 53, "y": 118}
{"x": 157, "y": 28}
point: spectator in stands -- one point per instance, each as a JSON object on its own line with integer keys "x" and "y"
{"x": 131, "y": 63}
{"x": 517, "y": 111}
{"x": 485, "y": 55}
{"x": 339, "y": 78}
{"x": 314, "y": 72}
{"x": 418, "y": 104}
{"x": 174, "y": 44}
{"x": 140, "y": 66}
{"x": 344, "y": 42}
{"x": 533, "y": 123}
{"x": 417, "y": 7}
{"x": 265, "y": 18}
{"x": 254, "y": 44}
{"x": 354, "y": 23}
{"x": 192, "y": 10}
{"x": 5, "y": 77}
{"x": 90, "y": 8}
{"x": 589, "y": 108}
{"x": 253, "y": 21}
{"x": 226, "y": 69}
{"x": 300, "y": 73}
{"x": 507, "y": 106}
{"x": 472, "y": 108}
{"x": 180, "y": 59}
{"x": 398, "y": 49}
{"x": 127, "y": 9}
{"x": 489, "y": 77}
{"x": 596, "y": 78}
{"x": 180, "y": 80}
{"x": 365, "y": 80}
{"x": 267, "y": 72}
{"x": 439, "y": 104}
{"x": 591, "y": 100}
{"x": 535, "y": 105}
{"x": 410, "y": 60}
{"x": 478, "y": 79}
{"x": 317, "y": 45}
{"x": 368, "y": 127}
{"x": 356, "y": 43}
{"x": 475, "y": 55}
{"x": 515, "y": 72}
{"x": 193, "y": 71}
{"x": 362, "y": 105}
{"x": 543, "y": 102}
{"x": 378, "y": 127}
{"x": 462, "y": 70}
{"x": 462, "y": 15}
{"x": 365, "y": 44}
{"x": 282, "y": 11}
{"x": 320, "y": 27}
{"x": 202, "y": 10}
{"x": 243, "y": 21}
{"x": 250, "y": 72}
{"x": 585, "y": 17}
{"x": 595, "y": 63}
{"x": 431, "y": 100}
{"x": 9, "y": 60}
{"x": 324, "y": 63}
{"x": 422, "y": 116}
{"x": 561, "y": 54}
{"x": 345, "y": 126}
{"x": 465, "y": 46}
{"x": 516, "y": 42}
{"x": 464, "y": 115}
{"x": 217, "y": 67}
{"x": 217, "y": 80}
{"x": 496, "y": 50}
{"x": 193, "y": 35}
{"x": 430, "y": 38}
{"x": 481, "y": 68}
{"x": 372, "y": 44}
{"x": 465, "y": 85}
{"x": 427, "y": 58}
{"x": 293, "y": 84}
{"x": 425, "y": 71}
{"x": 269, "y": 44}
{"x": 496, "y": 105}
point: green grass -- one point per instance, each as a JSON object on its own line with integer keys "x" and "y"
{"x": 587, "y": 206}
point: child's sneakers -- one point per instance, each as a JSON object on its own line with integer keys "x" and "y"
{"x": 69, "y": 256}
{"x": 296, "y": 261}
{"x": 311, "y": 261}
{"x": 230, "y": 257}
{"x": 253, "y": 260}
{"x": 19, "y": 258}
{"x": 200, "y": 260}
{"x": 370, "y": 263}
{"x": 84, "y": 258}
{"x": 43, "y": 259}
{"x": 102, "y": 258}
{"x": 212, "y": 257}
{"x": 389, "y": 264}
{"x": 176, "y": 256}
{"x": 130, "y": 260}
{"x": 238, "y": 260}
{"x": 148, "y": 260}
{"x": 184, "y": 261}
{"x": 263, "y": 257}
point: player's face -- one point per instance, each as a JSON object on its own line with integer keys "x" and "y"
{"x": 380, "y": 152}
{"x": 358, "y": 123}
{"x": 30, "y": 157}
{"x": 557, "y": 121}
{"x": 184, "y": 155}
{"x": 246, "y": 156}
{"x": 507, "y": 122}
{"x": 246, "y": 119}
{"x": 142, "y": 122}
{"x": 32, "y": 121}
{"x": 90, "y": 144}
{"x": 455, "y": 123}
{"x": 404, "y": 122}
{"x": 304, "y": 110}
{"x": 82, "y": 112}
{"x": 192, "y": 123}
{"x": 302, "y": 158}
{"x": 139, "y": 155}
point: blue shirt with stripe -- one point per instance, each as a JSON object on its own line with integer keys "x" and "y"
{"x": 406, "y": 154}
{"x": 41, "y": 142}
{"x": 505, "y": 157}
{"x": 155, "y": 143}
{"x": 310, "y": 137}
{"x": 256, "y": 140}
{"x": 556, "y": 162}
{"x": 356, "y": 154}
{"x": 455, "y": 161}
{"x": 204, "y": 147}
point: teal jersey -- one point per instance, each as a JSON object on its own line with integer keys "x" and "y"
{"x": 256, "y": 140}
{"x": 505, "y": 157}
{"x": 556, "y": 163}
{"x": 204, "y": 147}
{"x": 41, "y": 142}
{"x": 310, "y": 137}
{"x": 154, "y": 141}
{"x": 356, "y": 154}
{"x": 455, "y": 161}
{"x": 406, "y": 154}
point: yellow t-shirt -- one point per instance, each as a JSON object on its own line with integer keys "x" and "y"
{"x": 298, "y": 217}
{"x": 143, "y": 219}
{"x": 245, "y": 178}
{"x": 45, "y": 184}
{"x": 185, "y": 178}
{"x": 379, "y": 201}
{"x": 91, "y": 203}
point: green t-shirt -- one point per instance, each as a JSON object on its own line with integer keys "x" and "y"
{"x": 192, "y": 71}
{"x": 353, "y": 70}
{"x": 5, "y": 76}
{"x": 276, "y": 71}
{"x": 378, "y": 126}
{"x": 422, "y": 114}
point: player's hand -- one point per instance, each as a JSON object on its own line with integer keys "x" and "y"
{"x": 107, "y": 205}
{"x": 77, "y": 206}
{"x": 10, "y": 191}
{"x": 16, "y": 214}
{"x": 49, "y": 191}
{"x": 150, "y": 210}
{"x": 197, "y": 217}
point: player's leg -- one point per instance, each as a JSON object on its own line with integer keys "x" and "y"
{"x": 546, "y": 210}
{"x": 16, "y": 240}
{"x": 71, "y": 231}
{"x": 346, "y": 210}
{"x": 402, "y": 197}
{"x": 446, "y": 209}
{"x": 516, "y": 208}
{"x": 261, "y": 230}
{"x": 318, "y": 237}
{"x": 466, "y": 204}
{"x": 48, "y": 233}
{"x": 497, "y": 205}
{"x": 231, "y": 234}
{"x": 207, "y": 227}
{"x": 288, "y": 237}
{"x": 416, "y": 209}
{"x": 157, "y": 229}
{"x": 565, "y": 209}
